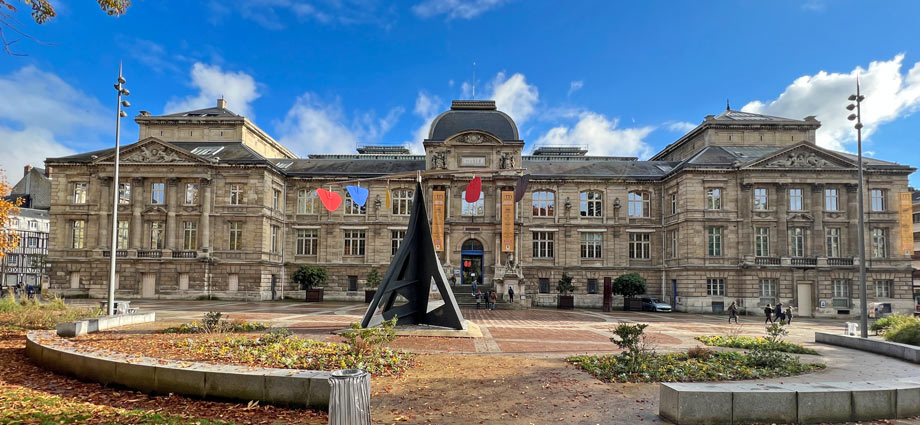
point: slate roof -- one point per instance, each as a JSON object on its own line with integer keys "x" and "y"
{"x": 731, "y": 115}
{"x": 594, "y": 167}
{"x": 466, "y": 115}
{"x": 213, "y": 111}
{"x": 350, "y": 167}
{"x": 35, "y": 189}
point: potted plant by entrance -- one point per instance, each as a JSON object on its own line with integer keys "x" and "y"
{"x": 629, "y": 285}
{"x": 373, "y": 281}
{"x": 565, "y": 288}
{"x": 309, "y": 277}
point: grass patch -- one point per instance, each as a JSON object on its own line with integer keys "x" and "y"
{"x": 213, "y": 323}
{"x": 750, "y": 342}
{"x": 33, "y": 314}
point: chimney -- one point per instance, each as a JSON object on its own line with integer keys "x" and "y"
{"x": 222, "y": 103}
{"x": 26, "y": 169}
{"x": 48, "y": 172}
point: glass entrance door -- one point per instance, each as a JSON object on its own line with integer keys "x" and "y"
{"x": 471, "y": 262}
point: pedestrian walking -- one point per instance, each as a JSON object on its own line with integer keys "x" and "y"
{"x": 511, "y": 293}
{"x": 789, "y": 315}
{"x": 732, "y": 313}
{"x": 768, "y": 311}
{"x": 478, "y": 299}
{"x": 778, "y": 312}
{"x": 475, "y": 286}
{"x": 492, "y": 298}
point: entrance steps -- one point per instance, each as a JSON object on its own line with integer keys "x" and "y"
{"x": 465, "y": 298}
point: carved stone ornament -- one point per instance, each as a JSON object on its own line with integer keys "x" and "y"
{"x": 473, "y": 139}
{"x": 153, "y": 154}
{"x": 439, "y": 161}
{"x": 799, "y": 160}
{"x": 507, "y": 161}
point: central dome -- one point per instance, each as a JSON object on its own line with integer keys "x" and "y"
{"x": 466, "y": 115}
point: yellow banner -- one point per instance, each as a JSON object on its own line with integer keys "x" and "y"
{"x": 507, "y": 221}
{"x": 905, "y": 216}
{"x": 437, "y": 219}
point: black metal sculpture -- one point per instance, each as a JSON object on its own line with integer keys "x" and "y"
{"x": 411, "y": 273}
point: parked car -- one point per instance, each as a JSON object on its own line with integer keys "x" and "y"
{"x": 653, "y": 304}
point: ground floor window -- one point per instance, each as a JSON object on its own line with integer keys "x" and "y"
{"x": 352, "y": 283}
{"x": 544, "y": 285}
{"x": 767, "y": 291}
{"x": 840, "y": 289}
{"x": 883, "y": 288}
{"x": 715, "y": 287}
{"x": 592, "y": 286}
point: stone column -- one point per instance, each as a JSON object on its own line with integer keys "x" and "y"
{"x": 137, "y": 204}
{"x": 817, "y": 230}
{"x": 171, "y": 201}
{"x": 204, "y": 231}
{"x": 105, "y": 210}
{"x": 782, "y": 204}
{"x": 852, "y": 221}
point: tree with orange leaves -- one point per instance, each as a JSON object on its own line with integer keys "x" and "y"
{"x": 9, "y": 238}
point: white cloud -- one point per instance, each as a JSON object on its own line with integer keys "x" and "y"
{"x": 679, "y": 126}
{"x": 238, "y": 88}
{"x": 889, "y": 93}
{"x": 514, "y": 96}
{"x": 277, "y": 14}
{"x": 454, "y": 9}
{"x": 32, "y": 147}
{"x": 575, "y": 86}
{"x": 427, "y": 107}
{"x": 600, "y": 136}
{"x": 147, "y": 53}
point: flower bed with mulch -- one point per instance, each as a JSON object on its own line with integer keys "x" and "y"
{"x": 751, "y": 342}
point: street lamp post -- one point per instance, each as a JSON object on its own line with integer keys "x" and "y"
{"x": 113, "y": 250}
{"x": 863, "y": 297}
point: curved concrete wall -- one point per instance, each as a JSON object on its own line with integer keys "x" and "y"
{"x": 906, "y": 352}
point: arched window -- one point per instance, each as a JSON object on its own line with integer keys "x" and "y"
{"x": 639, "y": 204}
{"x": 472, "y": 208}
{"x": 471, "y": 245}
{"x": 544, "y": 204}
{"x": 591, "y": 202}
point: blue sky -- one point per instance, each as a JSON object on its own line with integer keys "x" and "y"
{"x": 622, "y": 78}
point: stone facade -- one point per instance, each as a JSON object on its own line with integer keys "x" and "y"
{"x": 744, "y": 208}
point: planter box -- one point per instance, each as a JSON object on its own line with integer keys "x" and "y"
{"x": 566, "y": 302}
{"x": 634, "y": 304}
{"x": 314, "y": 295}
{"x": 369, "y": 295}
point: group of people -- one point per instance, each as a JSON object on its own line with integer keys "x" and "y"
{"x": 487, "y": 298}
{"x": 18, "y": 288}
{"x": 774, "y": 314}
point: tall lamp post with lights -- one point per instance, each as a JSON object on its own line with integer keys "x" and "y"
{"x": 863, "y": 297}
{"x": 122, "y": 91}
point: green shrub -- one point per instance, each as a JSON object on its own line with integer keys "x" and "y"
{"x": 749, "y": 342}
{"x": 905, "y": 333}
{"x": 565, "y": 286}
{"x": 309, "y": 277}
{"x": 212, "y": 323}
{"x": 9, "y": 303}
{"x": 363, "y": 341}
{"x": 887, "y": 323}
{"x": 32, "y": 314}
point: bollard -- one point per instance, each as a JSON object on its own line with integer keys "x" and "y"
{"x": 350, "y": 397}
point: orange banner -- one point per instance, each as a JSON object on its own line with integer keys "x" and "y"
{"x": 507, "y": 221}
{"x": 437, "y": 219}
{"x": 905, "y": 216}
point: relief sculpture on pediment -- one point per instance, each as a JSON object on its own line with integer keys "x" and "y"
{"x": 153, "y": 154}
{"x": 799, "y": 160}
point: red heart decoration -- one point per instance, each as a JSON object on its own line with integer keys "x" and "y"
{"x": 473, "y": 190}
{"x": 330, "y": 200}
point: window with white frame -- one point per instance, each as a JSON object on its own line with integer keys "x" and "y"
{"x": 157, "y": 230}
{"x": 121, "y": 240}
{"x": 883, "y": 288}
{"x": 714, "y": 235}
{"x": 191, "y": 194}
{"x": 190, "y": 235}
{"x": 673, "y": 244}
{"x": 402, "y": 201}
{"x": 674, "y": 203}
{"x": 352, "y": 207}
{"x": 307, "y": 241}
{"x": 79, "y": 193}
{"x": 306, "y": 201}
{"x": 157, "y": 193}
{"x": 760, "y": 198}
{"x": 396, "y": 238}
{"x": 715, "y": 287}
{"x": 877, "y": 199}
{"x": 714, "y": 199}
{"x": 831, "y": 200}
{"x": 472, "y": 208}
{"x": 879, "y": 242}
{"x": 832, "y": 236}
{"x": 591, "y": 244}
{"x": 236, "y": 194}
{"x": 275, "y": 238}
{"x": 276, "y": 200}
{"x": 767, "y": 291}
{"x": 640, "y": 245}
{"x": 78, "y": 233}
{"x": 762, "y": 242}
{"x": 797, "y": 242}
{"x": 591, "y": 203}
{"x": 795, "y": 199}
{"x": 639, "y": 204}
{"x": 354, "y": 242}
{"x": 544, "y": 203}
{"x": 543, "y": 244}
{"x": 124, "y": 193}
{"x": 235, "y": 236}
{"x": 840, "y": 288}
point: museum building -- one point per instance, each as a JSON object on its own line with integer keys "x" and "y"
{"x": 744, "y": 208}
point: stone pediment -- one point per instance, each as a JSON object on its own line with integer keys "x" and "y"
{"x": 473, "y": 138}
{"x": 153, "y": 151}
{"x": 803, "y": 156}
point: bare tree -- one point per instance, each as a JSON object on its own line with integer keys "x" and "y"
{"x": 42, "y": 11}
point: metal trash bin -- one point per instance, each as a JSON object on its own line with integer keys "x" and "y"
{"x": 350, "y": 397}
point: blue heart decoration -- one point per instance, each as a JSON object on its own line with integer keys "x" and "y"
{"x": 358, "y": 194}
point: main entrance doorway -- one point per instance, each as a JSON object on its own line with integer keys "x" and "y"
{"x": 471, "y": 262}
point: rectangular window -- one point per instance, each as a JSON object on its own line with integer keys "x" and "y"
{"x": 883, "y": 288}
{"x": 767, "y": 289}
{"x": 831, "y": 200}
{"x": 672, "y": 246}
{"x": 832, "y": 235}
{"x": 235, "y": 236}
{"x": 543, "y": 244}
{"x": 352, "y": 207}
{"x": 79, "y": 193}
{"x": 157, "y": 229}
{"x": 352, "y": 283}
{"x": 472, "y": 208}
{"x": 840, "y": 288}
{"x": 158, "y": 193}
{"x": 797, "y": 242}
{"x": 916, "y": 217}
{"x": 715, "y": 287}
{"x": 306, "y": 241}
{"x": 877, "y": 199}
{"x": 236, "y": 194}
{"x": 190, "y": 235}
{"x": 592, "y": 286}
{"x": 124, "y": 193}
{"x": 591, "y": 204}
{"x": 879, "y": 243}
{"x": 78, "y": 234}
{"x": 762, "y": 242}
{"x": 402, "y": 201}
{"x": 544, "y": 285}
{"x": 544, "y": 204}
{"x": 354, "y": 242}
{"x": 795, "y": 199}
{"x": 122, "y": 239}
{"x": 274, "y": 241}
{"x": 674, "y": 203}
{"x": 760, "y": 198}
{"x": 715, "y": 241}
{"x": 639, "y": 204}
{"x": 591, "y": 244}
{"x": 396, "y": 238}
{"x": 276, "y": 200}
{"x": 306, "y": 201}
{"x": 713, "y": 199}
{"x": 640, "y": 246}
{"x": 191, "y": 194}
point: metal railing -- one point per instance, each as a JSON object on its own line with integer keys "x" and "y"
{"x": 803, "y": 261}
{"x": 840, "y": 261}
{"x": 767, "y": 261}
{"x": 118, "y": 253}
{"x": 149, "y": 253}
{"x": 185, "y": 254}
